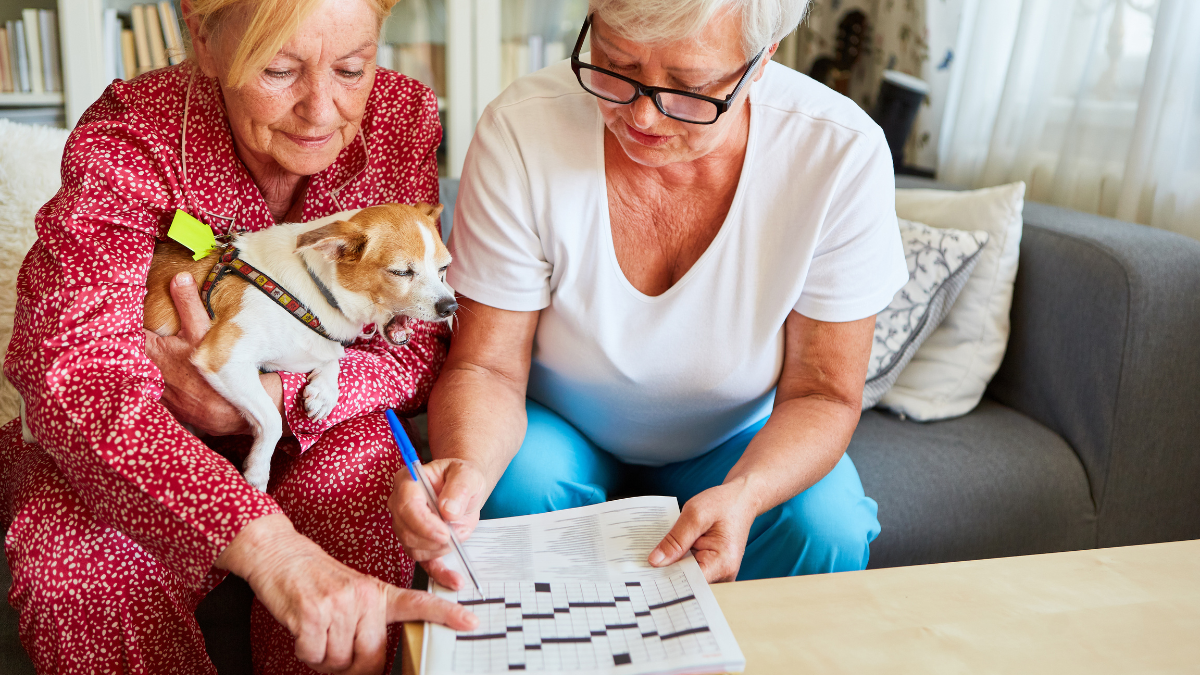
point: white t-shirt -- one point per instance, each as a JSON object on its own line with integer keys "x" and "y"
{"x": 654, "y": 380}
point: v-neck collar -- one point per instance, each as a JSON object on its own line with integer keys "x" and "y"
{"x": 219, "y": 185}
{"x": 732, "y": 217}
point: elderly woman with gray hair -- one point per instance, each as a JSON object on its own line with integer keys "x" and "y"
{"x": 671, "y": 251}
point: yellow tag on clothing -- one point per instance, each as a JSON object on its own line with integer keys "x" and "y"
{"x": 193, "y": 234}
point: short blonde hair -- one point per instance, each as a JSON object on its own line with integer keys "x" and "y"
{"x": 764, "y": 22}
{"x": 271, "y": 24}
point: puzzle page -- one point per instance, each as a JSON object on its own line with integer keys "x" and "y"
{"x": 570, "y": 592}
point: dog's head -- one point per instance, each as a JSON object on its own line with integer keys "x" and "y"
{"x": 392, "y": 259}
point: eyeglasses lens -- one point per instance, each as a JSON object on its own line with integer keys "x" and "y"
{"x": 606, "y": 86}
{"x": 687, "y": 108}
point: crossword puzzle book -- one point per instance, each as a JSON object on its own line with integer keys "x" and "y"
{"x": 571, "y": 592}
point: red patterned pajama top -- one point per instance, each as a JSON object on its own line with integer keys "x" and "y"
{"x": 146, "y": 148}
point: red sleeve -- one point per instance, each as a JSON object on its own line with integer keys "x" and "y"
{"x": 78, "y": 356}
{"x": 375, "y": 374}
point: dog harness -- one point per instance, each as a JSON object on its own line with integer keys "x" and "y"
{"x": 229, "y": 262}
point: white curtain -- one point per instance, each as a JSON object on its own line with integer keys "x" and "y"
{"x": 1093, "y": 103}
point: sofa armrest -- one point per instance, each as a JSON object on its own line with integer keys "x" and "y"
{"x": 1105, "y": 321}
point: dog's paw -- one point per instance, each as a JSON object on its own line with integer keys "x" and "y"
{"x": 257, "y": 474}
{"x": 320, "y": 394}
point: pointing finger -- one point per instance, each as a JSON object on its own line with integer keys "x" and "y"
{"x": 404, "y": 605}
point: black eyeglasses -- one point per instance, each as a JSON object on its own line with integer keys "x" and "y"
{"x": 674, "y": 103}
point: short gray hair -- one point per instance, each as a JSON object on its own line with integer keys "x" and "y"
{"x": 764, "y": 22}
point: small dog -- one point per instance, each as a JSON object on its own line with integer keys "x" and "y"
{"x": 382, "y": 265}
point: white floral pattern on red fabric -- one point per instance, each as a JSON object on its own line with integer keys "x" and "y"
{"x": 146, "y": 148}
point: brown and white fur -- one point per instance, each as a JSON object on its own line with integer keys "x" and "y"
{"x": 384, "y": 265}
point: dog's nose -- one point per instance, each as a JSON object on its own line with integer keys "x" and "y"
{"x": 445, "y": 307}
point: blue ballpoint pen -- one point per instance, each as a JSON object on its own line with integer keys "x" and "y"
{"x": 409, "y": 453}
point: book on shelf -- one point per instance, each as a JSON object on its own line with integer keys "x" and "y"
{"x": 128, "y": 54}
{"x": 19, "y": 54}
{"x": 171, "y": 32}
{"x": 30, "y": 62}
{"x": 33, "y": 49}
{"x": 5, "y": 73}
{"x": 110, "y": 27}
{"x": 158, "y": 47}
{"x": 51, "y": 60}
{"x": 150, "y": 38}
{"x": 141, "y": 37}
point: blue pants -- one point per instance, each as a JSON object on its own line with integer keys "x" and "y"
{"x": 827, "y": 528}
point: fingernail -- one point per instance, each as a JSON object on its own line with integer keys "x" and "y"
{"x": 183, "y": 279}
{"x": 452, "y": 507}
{"x": 657, "y": 557}
{"x": 472, "y": 620}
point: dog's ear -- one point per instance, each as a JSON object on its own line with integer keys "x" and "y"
{"x": 430, "y": 210}
{"x": 338, "y": 242}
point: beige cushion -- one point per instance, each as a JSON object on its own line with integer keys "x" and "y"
{"x": 948, "y": 374}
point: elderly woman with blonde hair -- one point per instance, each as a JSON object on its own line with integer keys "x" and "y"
{"x": 671, "y": 252}
{"x": 121, "y": 519}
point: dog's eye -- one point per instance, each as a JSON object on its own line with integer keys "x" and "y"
{"x": 443, "y": 269}
{"x": 402, "y": 273}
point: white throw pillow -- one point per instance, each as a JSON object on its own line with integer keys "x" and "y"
{"x": 29, "y": 176}
{"x": 940, "y": 261}
{"x": 950, "y": 371}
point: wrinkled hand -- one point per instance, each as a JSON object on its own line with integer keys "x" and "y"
{"x": 460, "y": 487}
{"x": 714, "y": 525}
{"x": 186, "y": 393}
{"x": 338, "y": 616}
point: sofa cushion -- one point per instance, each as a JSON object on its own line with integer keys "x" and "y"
{"x": 991, "y": 483}
{"x": 940, "y": 261}
{"x": 949, "y": 373}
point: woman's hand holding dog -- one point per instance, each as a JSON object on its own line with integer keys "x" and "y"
{"x": 189, "y": 397}
{"x": 461, "y": 490}
{"x": 339, "y": 616}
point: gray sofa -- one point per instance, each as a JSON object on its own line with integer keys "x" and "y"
{"x": 1087, "y": 436}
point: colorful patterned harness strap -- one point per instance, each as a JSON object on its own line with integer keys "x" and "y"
{"x": 229, "y": 262}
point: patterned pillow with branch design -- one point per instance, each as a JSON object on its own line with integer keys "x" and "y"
{"x": 939, "y": 263}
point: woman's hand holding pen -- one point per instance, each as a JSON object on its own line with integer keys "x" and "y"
{"x": 461, "y": 491}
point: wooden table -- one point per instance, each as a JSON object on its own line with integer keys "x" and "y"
{"x": 1134, "y": 609}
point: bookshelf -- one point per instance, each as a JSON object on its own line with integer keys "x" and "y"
{"x": 43, "y": 106}
{"x": 467, "y": 50}
{"x": 11, "y": 100}
{"x": 80, "y": 70}
{"x": 489, "y": 43}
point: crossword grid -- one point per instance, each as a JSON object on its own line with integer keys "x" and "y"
{"x": 580, "y": 625}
